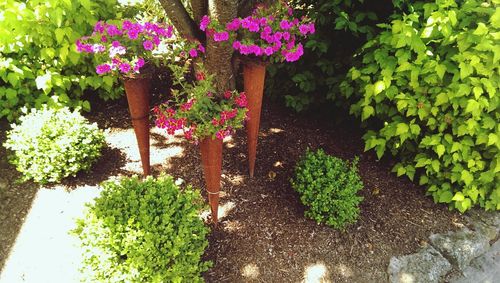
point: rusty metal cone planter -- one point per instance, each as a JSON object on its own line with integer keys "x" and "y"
{"x": 138, "y": 95}
{"x": 211, "y": 159}
{"x": 253, "y": 81}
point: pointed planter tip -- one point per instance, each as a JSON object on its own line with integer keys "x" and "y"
{"x": 138, "y": 96}
{"x": 211, "y": 159}
{"x": 253, "y": 80}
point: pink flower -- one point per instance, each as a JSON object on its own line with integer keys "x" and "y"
{"x": 133, "y": 34}
{"x": 188, "y": 134}
{"x": 286, "y": 36}
{"x": 205, "y": 21}
{"x": 112, "y": 30}
{"x": 268, "y": 51}
{"x": 215, "y": 122}
{"x": 233, "y": 25}
{"x": 102, "y": 69}
{"x": 124, "y": 68}
{"x": 236, "y": 45}
{"x": 140, "y": 62}
{"x": 148, "y": 45}
{"x": 227, "y": 94}
{"x": 115, "y": 43}
{"x": 126, "y": 25}
{"x": 221, "y": 36}
{"x": 200, "y": 76}
{"x": 221, "y": 134}
{"x": 304, "y": 29}
{"x": 312, "y": 28}
{"x": 156, "y": 40}
{"x": 241, "y": 100}
{"x": 99, "y": 27}
{"x": 285, "y": 25}
{"x": 193, "y": 53}
{"x": 104, "y": 38}
{"x": 201, "y": 48}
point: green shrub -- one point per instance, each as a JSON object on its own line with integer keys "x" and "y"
{"x": 143, "y": 231}
{"x": 327, "y": 186}
{"x": 39, "y": 63}
{"x": 50, "y": 144}
{"x": 431, "y": 80}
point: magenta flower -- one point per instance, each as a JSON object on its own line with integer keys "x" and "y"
{"x": 236, "y": 45}
{"x": 201, "y": 48}
{"x": 99, "y": 27}
{"x": 112, "y": 30}
{"x": 285, "y": 25}
{"x": 221, "y": 36}
{"x": 205, "y": 21}
{"x": 193, "y": 53}
{"x": 124, "y": 68}
{"x": 104, "y": 38}
{"x": 102, "y": 69}
{"x": 268, "y": 51}
{"x": 126, "y": 25}
{"x": 156, "y": 40}
{"x": 312, "y": 28}
{"x": 115, "y": 43}
{"x": 133, "y": 34}
{"x": 304, "y": 29}
{"x": 233, "y": 25}
{"x": 148, "y": 45}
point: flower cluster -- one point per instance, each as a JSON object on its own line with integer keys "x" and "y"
{"x": 197, "y": 111}
{"x": 271, "y": 33}
{"x": 123, "y": 49}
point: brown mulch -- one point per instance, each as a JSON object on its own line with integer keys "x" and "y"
{"x": 265, "y": 237}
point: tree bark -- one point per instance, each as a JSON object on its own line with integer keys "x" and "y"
{"x": 179, "y": 16}
{"x": 200, "y": 8}
{"x": 219, "y": 54}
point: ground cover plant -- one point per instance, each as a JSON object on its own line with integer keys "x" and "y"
{"x": 432, "y": 79}
{"x": 327, "y": 186}
{"x": 144, "y": 231}
{"x": 39, "y": 63}
{"x": 48, "y": 145}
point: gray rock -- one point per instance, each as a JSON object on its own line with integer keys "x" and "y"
{"x": 426, "y": 266}
{"x": 490, "y": 232}
{"x": 485, "y": 268}
{"x": 491, "y": 218}
{"x": 460, "y": 247}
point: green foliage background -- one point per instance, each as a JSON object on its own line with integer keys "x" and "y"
{"x": 38, "y": 59}
{"x": 431, "y": 80}
{"x": 144, "y": 231}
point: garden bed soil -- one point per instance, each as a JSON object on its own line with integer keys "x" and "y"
{"x": 264, "y": 236}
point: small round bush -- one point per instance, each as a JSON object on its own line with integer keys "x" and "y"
{"x": 143, "y": 231}
{"x": 51, "y": 144}
{"x": 327, "y": 186}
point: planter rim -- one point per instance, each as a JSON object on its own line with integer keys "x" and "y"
{"x": 253, "y": 61}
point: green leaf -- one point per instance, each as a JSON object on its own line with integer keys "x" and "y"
{"x": 59, "y": 35}
{"x": 481, "y": 29}
{"x": 445, "y": 197}
{"x": 401, "y": 128}
{"x": 466, "y": 177}
{"x": 367, "y": 112}
{"x": 458, "y": 196}
{"x": 492, "y": 139}
{"x": 440, "y": 70}
{"x": 440, "y": 149}
{"x": 379, "y": 87}
{"x": 441, "y": 99}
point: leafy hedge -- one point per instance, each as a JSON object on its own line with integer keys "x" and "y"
{"x": 327, "y": 186}
{"x": 432, "y": 79}
{"x": 38, "y": 59}
{"x": 143, "y": 231}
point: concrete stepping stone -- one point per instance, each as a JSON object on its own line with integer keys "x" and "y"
{"x": 426, "y": 266}
{"x": 460, "y": 247}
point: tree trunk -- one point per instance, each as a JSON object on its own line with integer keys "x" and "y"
{"x": 219, "y": 55}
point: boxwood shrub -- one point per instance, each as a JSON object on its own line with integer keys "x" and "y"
{"x": 143, "y": 231}
{"x": 431, "y": 81}
{"x": 327, "y": 186}
{"x": 48, "y": 145}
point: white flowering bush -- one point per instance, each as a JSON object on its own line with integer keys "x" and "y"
{"x": 50, "y": 144}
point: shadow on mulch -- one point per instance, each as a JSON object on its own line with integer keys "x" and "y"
{"x": 265, "y": 237}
